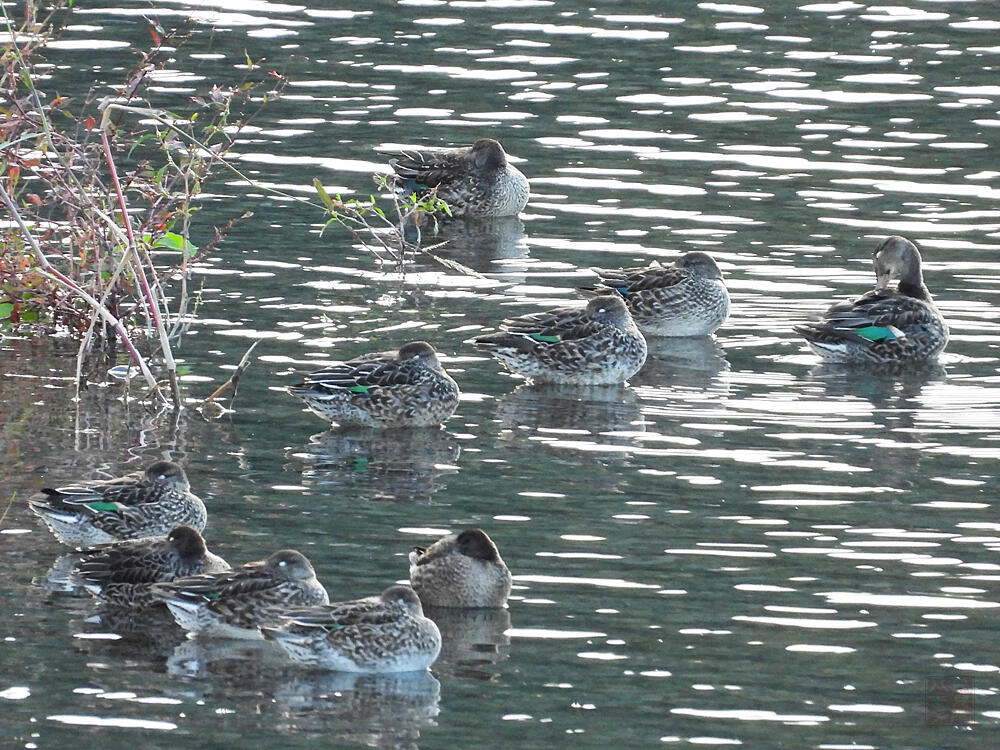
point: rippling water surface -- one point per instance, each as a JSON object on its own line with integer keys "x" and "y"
{"x": 740, "y": 547}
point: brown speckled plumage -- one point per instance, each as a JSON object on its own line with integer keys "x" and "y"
{"x": 408, "y": 388}
{"x": 121, "y": 574}
{"x": 475, "y": 181}
{"x": 886, "y": 327}
{"x": 687, "y": 298}
{"x": 141, "y": 504}
{"x": 460, "y": 570}
{"x": 595, "y": 345}
{"x": 386, "y": 633}
{"x": 234, "y": 603}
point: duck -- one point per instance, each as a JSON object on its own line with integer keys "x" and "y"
{"x": 379, "y": 634}
{"x": 475, "y": 181}
{"x": 686, "y": 298}
{"x": 460, "y": 570}
{"x": 406, "y": 388}
{"x": 121, "y": 574}
{"x": 596, "y": 345}
{"x": 144, "y": 503}
{"x": 887, "y": 326}
{"x": 232, "y": 604}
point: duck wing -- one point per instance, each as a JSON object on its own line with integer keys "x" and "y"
{"x": 360, "y": 375}
{"x": 105, "y": 495}
{"x": 879, "y": 315}
{"x": 554, "y": 326}
{"x": 368, "y": 611}
{"x": 430, "y": 167}
{"x": 141, "y": 561}
{"x": 253, "y": 579}
{"x": 631, "y": 280}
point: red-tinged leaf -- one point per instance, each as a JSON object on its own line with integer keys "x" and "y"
{"x": 13, "y": 173}
{"x": 156, "y": 37}
{"x": 33, "y": 197}
{"x": 90, "y": 123}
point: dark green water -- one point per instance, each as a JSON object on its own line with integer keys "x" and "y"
{"x": 740, "y": 548}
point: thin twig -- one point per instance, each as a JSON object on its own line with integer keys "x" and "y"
{"x": 6, "y": 510}
{"x": 151, "y": 300}
{"x": 50, "y": 272}
{"x": 234, "y": 379}
{"x": 165, "y": 121}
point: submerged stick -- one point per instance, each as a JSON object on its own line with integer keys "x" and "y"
{"x": 234, "y": 379}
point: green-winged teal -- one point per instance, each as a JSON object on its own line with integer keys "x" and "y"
{"x": 460, "y": 570}
{"x": 886, "y": 326}
{"x": 122, "y": 573}
{"x": 596, "y": 345}
{"x": 233, "y": 604}
{"x": 408, "y": 388}
{"x": 688, "y": 298}
{"x": 475, "y": 181}
{"x": 386, "y": 633}
{"x": 141, "y": 504}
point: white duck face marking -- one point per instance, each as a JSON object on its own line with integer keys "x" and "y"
{"x": 162, "y": 471}
{"x": 609, "y": 309}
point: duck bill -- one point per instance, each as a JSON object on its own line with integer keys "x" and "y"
{"x": 882, "y": 281}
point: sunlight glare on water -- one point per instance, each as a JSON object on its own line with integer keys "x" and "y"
{"x": 742, "y": 546}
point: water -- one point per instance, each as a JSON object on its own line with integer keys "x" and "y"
{"x": 741, "y": 547}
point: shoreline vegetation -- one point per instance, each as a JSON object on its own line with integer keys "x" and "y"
{"x": 72, "y": 167}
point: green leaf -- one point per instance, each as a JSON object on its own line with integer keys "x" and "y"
{"x": 323, "y": 195}
{"x": 138, "y": 141}
{"x": 6, "y": 308}
{"x": 29, "y": 316}
{"x": 174, "y": 241}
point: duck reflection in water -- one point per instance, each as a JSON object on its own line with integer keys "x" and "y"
{"x": 233, "y": 664}
{"x": 379, "y": 710}
{"x": 896, "y": 402}
{"x": 128, "y": 634}
{"x": 890, "y": 387}
{"x": 471, "y": 640}
{"x": 485, "y": 245}
{"x": 595, "y": 409}
{"x": 374, "y": 710}
{"x": 60, "y": 576}
{"x": 400, "y": 465}
{"x": 693, "y": 361}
